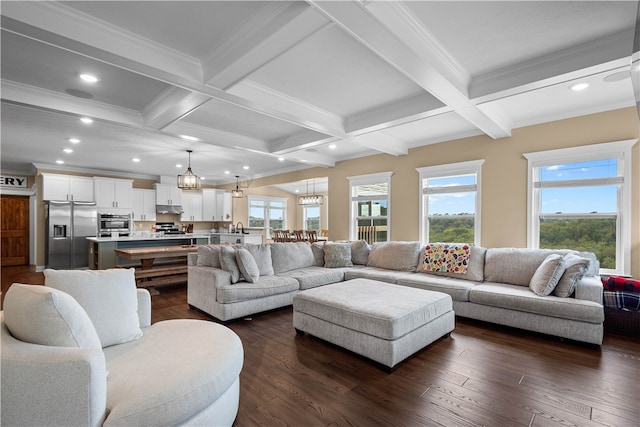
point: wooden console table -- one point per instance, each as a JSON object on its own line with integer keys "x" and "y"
{"x": 148, "y": 275}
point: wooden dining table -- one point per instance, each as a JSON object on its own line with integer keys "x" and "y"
{"x": 148, "y": 255}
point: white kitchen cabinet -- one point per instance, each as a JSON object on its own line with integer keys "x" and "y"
{"x": 67, "y": 187}
{"x": 113, "y": 193}
{"x": 191, "y": 206}
{"x": 167, "y": 194}
{"x": 209, "y": 204}
{"x": 144, "y": 204}
{"x": 224, "y": 206}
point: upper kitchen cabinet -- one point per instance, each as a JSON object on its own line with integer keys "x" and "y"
{"x": 216, "y": 205}
{"x": 113, "y": 193}
{"x": 67, "y": 187}
{"x": 192, "y": 207}
{"x": 144, "y": 205}
{"x": 167, "y": 194}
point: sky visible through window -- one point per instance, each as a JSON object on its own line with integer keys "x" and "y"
{"x": 600, "y": 199}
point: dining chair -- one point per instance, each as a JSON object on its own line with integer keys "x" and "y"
{"x": 312, "y": 236}
{"x": 324, "y": 233}
{"x": 299, "y": 235}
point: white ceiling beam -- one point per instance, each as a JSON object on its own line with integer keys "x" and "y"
{"x": 380, "y": 28}
{"x": 264, "y": 38}
{"x": 55, "y": 101}
{"x": 384, "y": 143}
{"x": 171, "y": 105}
{"x": 218, "y": 137}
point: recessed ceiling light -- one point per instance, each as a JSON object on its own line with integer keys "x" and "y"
{"x": 332, "y": 146}
{"x": 245, "y": 167}
{"x": 202, "y": 178}
{"x": 60, "y": 162}
{"x": 189, "y": 138}
{"x": 227, "y": 172}
{"x": 74, "y": 140}
{"x": 297, "y": 191}
{"x": 579, "y": 86}
{"x": 86, "y": 120}
{"x": 135, "y": 159}
{"x": 178, "y": 165}
{"x": 89, "y": 78}
{"x": 68, "y": 150}
{"x": 281, "y": 159}
{"x": 303, "y": 161}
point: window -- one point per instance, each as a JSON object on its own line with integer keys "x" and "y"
{"x": 267, "y": 212}
{"x": 580, "y": 198}
{"x": 369, "y": 208}
{"x": 450, "y": 208}
{"x": 311, "y": 217}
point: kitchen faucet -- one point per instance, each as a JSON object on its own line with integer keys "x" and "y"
{"x": 241, "y": 227}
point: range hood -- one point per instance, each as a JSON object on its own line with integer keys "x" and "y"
{"x": 171, "y": 209}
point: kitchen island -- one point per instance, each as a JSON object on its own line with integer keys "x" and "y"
{"x": 242, "y": 238}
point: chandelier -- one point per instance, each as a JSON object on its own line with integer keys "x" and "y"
{"x": 188, "y": 180}
{"x": 237, "y": 193}
{"x": 311, "y": 199}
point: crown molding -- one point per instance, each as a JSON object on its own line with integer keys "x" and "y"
{"x": 44, "y": 167}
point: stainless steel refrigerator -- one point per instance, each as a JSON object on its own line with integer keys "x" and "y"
{"x": 68, "y": 226}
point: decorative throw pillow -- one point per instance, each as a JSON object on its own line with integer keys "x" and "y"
{"x": 576, "y": 267}
{"x": 547, "y": 275}
{"x": 247, "y": 265}
{"x": 337, "y": 255}
{"x": 262, "y": 255}
{"x": 396, "y": 255}
{"x": 108, "y": 296}
{"x": 228, "y": 262}
{"x": 46, "y": 316}
{"x": 360, "y": 252}
{"x": 209, "y": 256}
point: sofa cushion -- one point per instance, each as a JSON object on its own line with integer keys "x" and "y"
{"x": 514, "y": 266}
{"x": 547, "y": 275}
{"x": 475, "y": 268}
{"x": 522, "y": 299}
{"x": 46, "y": 316}
{"x": 337, "y": 255}
{"x": 576, "y": 267}
{"x": 374, "y": 273}
{"x": 247, "y": 265}
{"x": 360, "y": 251}
{"x": 458, "y": 289}
{"x": 264, "y": 287}
{"x": 313, "y": 276}
{"x": 594, "y": 265}
{"x": 262, "y": 255}
{"x": 108, "y": 296}
{"x": 175, "y": 371}
{"x": 292, "y": 255}
{"x": 402, "y": 256}
{"x": 228, "y": 262}
{"x": 318, "y": 253}
{"x": 209, "y": 256}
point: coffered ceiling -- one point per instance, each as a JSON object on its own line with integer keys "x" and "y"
{"x": 268, "y": 87}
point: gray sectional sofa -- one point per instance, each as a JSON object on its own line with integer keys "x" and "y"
{"x": 555, "y": 292}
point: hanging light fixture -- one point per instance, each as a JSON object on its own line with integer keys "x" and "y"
{"x": 313, "y": 199}
{"x": 188, "y": 180}
{"x": 237, "y": 193}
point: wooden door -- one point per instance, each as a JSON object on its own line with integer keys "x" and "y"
{"x": 14, "y": 232}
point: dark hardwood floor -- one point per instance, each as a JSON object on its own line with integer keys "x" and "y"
{"x": 482, "y": 375}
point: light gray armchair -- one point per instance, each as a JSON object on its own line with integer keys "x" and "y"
{"x": 178, "y": 372}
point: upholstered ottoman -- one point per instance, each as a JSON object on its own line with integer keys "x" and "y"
{"x": 384, "y": 322}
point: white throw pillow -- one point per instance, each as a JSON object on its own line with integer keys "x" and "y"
{"x": 228, "y": 262}
{"x": 576, "y": 267}
{"x": 547, "y": 275}
{"x": 247, "y": 265}
{"x": 46, "y": 316}
{"x": 108, "y": 296}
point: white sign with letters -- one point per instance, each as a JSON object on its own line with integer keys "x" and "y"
{"x": 13, "y": 181}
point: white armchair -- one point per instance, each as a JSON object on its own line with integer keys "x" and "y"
{"x": 178, "y": 372}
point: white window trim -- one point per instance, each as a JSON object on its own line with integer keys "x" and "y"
{"x": 617, "y": 149}
{"x": 268, "y": 199}
{"x": 373, "y": 178}
{"x": 450, "y": 169}
{"x": 304, "y": 216}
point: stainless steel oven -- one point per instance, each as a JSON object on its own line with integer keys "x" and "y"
{"x": 109, "y": 223}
